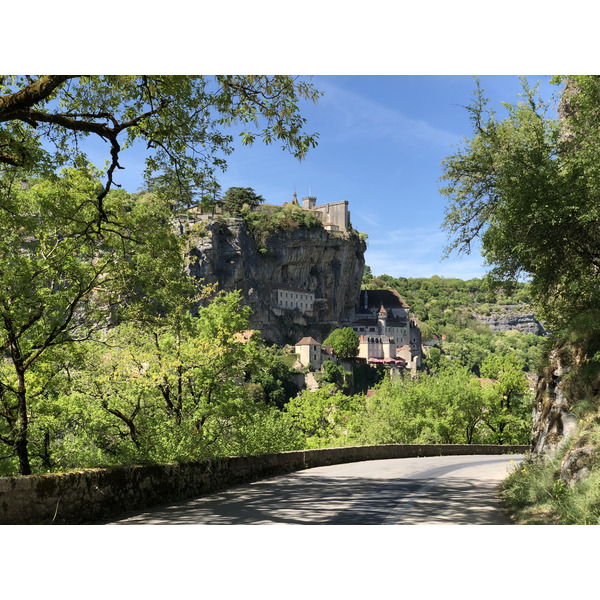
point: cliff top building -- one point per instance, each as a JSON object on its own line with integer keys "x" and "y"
{"x": 335, "y": 216}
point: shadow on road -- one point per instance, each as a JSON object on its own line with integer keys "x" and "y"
{"x": 341, "y": 501}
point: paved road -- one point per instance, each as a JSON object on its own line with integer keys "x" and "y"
{"x": 437, "y": 490}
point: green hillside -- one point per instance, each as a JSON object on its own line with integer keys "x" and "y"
{"x": 446, "y": 310}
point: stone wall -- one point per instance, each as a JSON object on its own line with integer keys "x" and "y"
{"x": 95, "y": 495}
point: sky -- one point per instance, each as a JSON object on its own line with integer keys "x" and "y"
{"x": 381, "y": 142}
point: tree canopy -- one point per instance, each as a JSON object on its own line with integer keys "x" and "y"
{"x": 181, "y": 120}
{"x": 236, "y": 198}
{"x": 344, "y": 342}
{"x": 93, "y": 287}
{"x": 61, "y": 284}
{"x": 528, "y": 186}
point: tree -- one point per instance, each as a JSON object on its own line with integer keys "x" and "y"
{"x": 529, "y": 186}
{"x": 508, "y": 413}
{"x": 319, "y": 414}
{"x": 180, "y": 119}
{"x": 344, "y": 342}
{"x": 61, "y": 284}
{"x": 236, "y": 198}
{"x": 333, "y": 373}
{"x": 273, "y": 378}
{"x": 73, "y": 250}
{"x": 170, "y": 389}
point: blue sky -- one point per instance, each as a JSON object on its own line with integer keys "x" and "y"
{"x": 381, "y": 142}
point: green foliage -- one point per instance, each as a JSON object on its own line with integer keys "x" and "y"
{"x": 321, "y": 416}
{"x": 534, "y": 493}
{"x": 333, "y": 373}
{"x": 345, "y": 343}
{"x": 508, "y": 413}
{"x": 171, "y": 390}
{"x": 62, "y": 283}
{"x": 528, "y": 186}
{"x": 238, "y": 198}
{"x": 448, "y": 407}
{"x": 101, "y": 360}
{"x": 272, "y": 376}
{"x": 365, "y": 377}
{"x": 272, "y": 219}
{"x": 180, "y": 119}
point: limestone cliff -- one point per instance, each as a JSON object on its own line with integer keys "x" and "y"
{"x": 510, "y": 317}
{"x": 328, "y": 264}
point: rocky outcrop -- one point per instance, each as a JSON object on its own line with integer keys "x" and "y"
{"x": 552, "y": 418}
{"x": 328, "y": 264}
{"x": 508, "y": 318}
{"x": 576, "y": 464}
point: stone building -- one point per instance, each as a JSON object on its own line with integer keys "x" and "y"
{"x": 386, "y": 332}
{"x": 335, "y": 216}
{"x": 309, "y": 352}
{"x": 290, "y": 298}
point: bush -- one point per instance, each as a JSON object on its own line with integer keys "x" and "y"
{"x": 262, "y": 223}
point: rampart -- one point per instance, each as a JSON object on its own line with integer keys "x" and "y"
{"x": 96, "y": 495}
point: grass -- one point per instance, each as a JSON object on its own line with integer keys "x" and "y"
{"x": 535, "y": 494}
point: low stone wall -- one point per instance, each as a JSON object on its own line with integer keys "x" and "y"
{"x": 94, "y": 495}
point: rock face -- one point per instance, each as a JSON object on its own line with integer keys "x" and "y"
{"x": 328, "y": 264}
{"x": 552, "y": 418}
{"x": 510, "y": 317}
{"x": 576, "y": 464}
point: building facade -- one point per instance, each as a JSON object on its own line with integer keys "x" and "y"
{"x": 385, "y": 330}
{"x": 289, "y": 298}
{"x": 335, "y": 216}
{"x": 309, "y": 353}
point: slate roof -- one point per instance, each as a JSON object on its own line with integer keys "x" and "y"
{"x": 378, "y": 298}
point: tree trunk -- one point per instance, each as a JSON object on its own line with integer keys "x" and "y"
{"x": 46, "y": 462}
{"x": 21, "y": 438}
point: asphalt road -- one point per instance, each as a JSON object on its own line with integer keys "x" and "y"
{"x": 459, "y": 490}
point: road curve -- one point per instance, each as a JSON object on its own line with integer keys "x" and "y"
{"x": 404, "y": 491}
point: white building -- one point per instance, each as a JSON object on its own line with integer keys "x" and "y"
{"x": 288, "y": 298}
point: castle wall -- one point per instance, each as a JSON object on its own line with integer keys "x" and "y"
{"x": 336, "y": 213}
